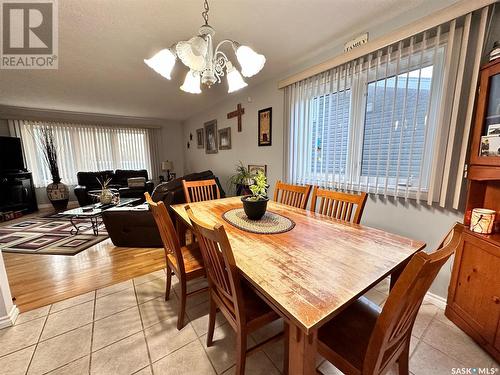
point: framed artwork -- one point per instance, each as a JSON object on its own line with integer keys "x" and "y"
{"x": 211, "y": 137}
{"x": 200, "y": 138}
{"x": 265, "y": 126}
{"x": 225, "y": 139}
{"x": 254, "y": 169}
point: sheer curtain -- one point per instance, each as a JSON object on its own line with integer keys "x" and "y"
{"x": 85, "y": 148}
{"x": 386, "y": 123}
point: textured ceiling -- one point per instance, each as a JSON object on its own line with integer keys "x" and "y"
{"x": 102, "y": 44}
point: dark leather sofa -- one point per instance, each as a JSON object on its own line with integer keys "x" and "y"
{"x": 88, "y": 181}
{"x": 135, "y": 226}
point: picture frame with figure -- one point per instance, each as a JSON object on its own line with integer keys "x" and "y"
{"x": 253, "y": 169}
{"x": 225, "y": 139}
{"x": 265, "y": 126}
{"x": 200, "y": 138}
{"x": 211, "y": 137}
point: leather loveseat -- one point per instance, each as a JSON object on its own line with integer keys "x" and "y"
{"x": 88, "y": 181}
{"x": 135, "y": 226}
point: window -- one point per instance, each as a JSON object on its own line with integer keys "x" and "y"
{"x": 85, "y": 148}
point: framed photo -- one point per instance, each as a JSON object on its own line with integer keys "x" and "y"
{"x": 200, "y": 138}
{"x": 211, "y": 137}
{"x": 494, "y": 129}
{"x": 265, "y": 126}
{"x": 254, "y": 169}
{"x": 490, "y": 145}
{"x": 225, "y": 139}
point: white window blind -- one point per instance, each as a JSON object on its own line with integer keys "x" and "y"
{"x": 381, "y": 123}
{"x": 84, "y": 148}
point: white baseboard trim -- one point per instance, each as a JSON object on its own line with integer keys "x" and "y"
{"x": 9, "y": 320}
{"x": 435, "y": 300}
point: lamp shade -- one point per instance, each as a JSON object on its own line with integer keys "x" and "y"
{"x": 191, "y": 83}
{"x": 250, "y": 61}
{"x": 192, "y": 53}
{"x": 167, "y": 165}
{"x": 162, "y": 63}
{"x": 234, "y": 79}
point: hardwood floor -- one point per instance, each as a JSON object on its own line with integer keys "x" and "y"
{"x": 39, "y": 280}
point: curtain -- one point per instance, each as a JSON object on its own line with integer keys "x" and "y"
{"x": 85, "y": 148}
{"x": 388, "y": 123}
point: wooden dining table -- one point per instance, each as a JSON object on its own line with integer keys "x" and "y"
{"x": 310, "y": 273}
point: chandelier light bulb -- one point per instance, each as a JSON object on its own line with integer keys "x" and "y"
{"x": 234, "y": 78}
{"x": 250, "y": 61}
{"x": 191, "y": 83}
{"x": 162, "y": 63}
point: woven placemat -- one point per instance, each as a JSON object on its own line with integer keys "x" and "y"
{"x": 271, "y": 223}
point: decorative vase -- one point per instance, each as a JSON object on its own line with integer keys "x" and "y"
{"x": 254, "y": 209}
{"x": 106, "y": 196}
{"x": 58, "y": 194}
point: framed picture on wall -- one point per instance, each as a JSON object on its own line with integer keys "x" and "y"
{"x": 200, "y": 138}
{"x": 265, "y": 126}
{"x": 211, "y": 137}
{"x": 254, "y": 169}
{"x": 225, "y": 139}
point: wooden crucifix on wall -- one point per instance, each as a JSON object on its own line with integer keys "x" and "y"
{"x": 240, "y": 111}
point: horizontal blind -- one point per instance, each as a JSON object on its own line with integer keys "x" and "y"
{"x": 384, "y": 123}
{"x": 84, "y": 148}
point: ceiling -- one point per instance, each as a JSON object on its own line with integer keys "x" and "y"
{"x": 102, "y": 44}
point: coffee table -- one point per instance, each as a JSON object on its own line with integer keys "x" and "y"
{"x": 93, "y": 213}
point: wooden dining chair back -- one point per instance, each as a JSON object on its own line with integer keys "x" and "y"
{"x": 222, "y": 273}
{"x": 339, "y": 205}
{"x": 390, "y": 338}
{"x": 292, "y": 195}
{"x": 203, "y": 190}
{"x": 184, "y": 261}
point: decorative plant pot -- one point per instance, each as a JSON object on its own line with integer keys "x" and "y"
{"x": 58, "y": 194}
{"x": 106, "y": 196}
{"x": 254, "y": 209}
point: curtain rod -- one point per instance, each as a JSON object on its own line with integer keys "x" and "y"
{"x": 437, "y": 18}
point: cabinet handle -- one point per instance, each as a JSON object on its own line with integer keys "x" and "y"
{"x": 496, "y": 300}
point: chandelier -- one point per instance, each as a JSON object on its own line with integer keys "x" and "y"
{"x": 207, "y": 65}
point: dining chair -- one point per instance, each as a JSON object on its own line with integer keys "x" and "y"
{"x": 292, "y": 195}
{"x": 186, "y": 262}
{"x": 243, "y": 308}
{"x": 202, "y": 190}
{"x": 338, "y": 205}
{"x": 364, "y": 339}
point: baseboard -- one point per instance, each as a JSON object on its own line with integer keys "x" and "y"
{"x": 9, "y": 320}
{"x": 43, "y": 206}
{"x": 436, "y": 300}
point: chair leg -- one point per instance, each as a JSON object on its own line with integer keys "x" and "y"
{"x": 241, "y": 352}
{"x": 182, "y": 306}
{"x": 286, "y": 329}
{"x": 211, "y": 322}
{"x": 169, "y": 283}
{"x": 403, "y": 361}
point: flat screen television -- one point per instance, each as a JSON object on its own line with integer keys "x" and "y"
{"x": 11, "y": 154}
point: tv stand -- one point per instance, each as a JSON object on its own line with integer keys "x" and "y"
{"x": 17, "y": 192}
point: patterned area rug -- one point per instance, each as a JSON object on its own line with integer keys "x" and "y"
{"x": 46, "y": 235}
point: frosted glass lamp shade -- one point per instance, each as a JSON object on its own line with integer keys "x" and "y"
{"x": 250, "y": 61}
{"x": 234, "y": 79}
{"x": 191, "y": 83}
{"x": 192, "y": 53}
{"x": 167, "y": 165}
{"x": 162, "y": 63}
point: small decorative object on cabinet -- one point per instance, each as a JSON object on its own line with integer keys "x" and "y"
{"x": 57, "y": 192}
{"x": 474, "y": 294}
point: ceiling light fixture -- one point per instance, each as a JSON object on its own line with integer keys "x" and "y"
{"x": 206, "y": 64}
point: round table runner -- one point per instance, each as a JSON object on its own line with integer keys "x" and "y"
{"x": 271, "y": 223}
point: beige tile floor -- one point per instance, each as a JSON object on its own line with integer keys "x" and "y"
{"x": 128, "y": 328}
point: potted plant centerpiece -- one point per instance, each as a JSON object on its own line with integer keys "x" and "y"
{"x": 242, "y": 179}
{"x": 255, "y": 205}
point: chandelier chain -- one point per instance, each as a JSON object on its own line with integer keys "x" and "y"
{"x": 205, "y": 13}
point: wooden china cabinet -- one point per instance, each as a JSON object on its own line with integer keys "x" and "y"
{"x": 474, "y": 293}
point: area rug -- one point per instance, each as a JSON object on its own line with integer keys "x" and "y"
{"x": 46, "y": 235}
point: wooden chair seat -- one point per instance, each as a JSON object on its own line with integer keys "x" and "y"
{"x": 353, "y": 325}
{"x": 193, "y": 260}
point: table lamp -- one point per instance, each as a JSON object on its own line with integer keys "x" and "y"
{"x": 167, "y": 166}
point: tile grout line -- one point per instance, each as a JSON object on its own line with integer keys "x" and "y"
{"x": 208, "y": 357}
{"x": 142, "y": 325}
{"x": 36, "y": 344}
{"x": 92, "y": 332}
